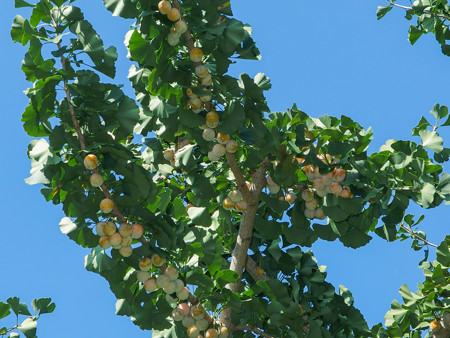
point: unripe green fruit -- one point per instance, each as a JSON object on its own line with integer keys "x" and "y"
{"x": 188, "y": 321}
{"x": 162, "y": 281}
{"x": 310, "y": 213}
{"x": 143, "y": 276}
{"x": 311, "y": 204}
{"x": 99, "y": 228}
{"x": 170, "y": 288}
{"x": 181, "y": 26}
{"x": 212, "y": 157}
{"x": 179, "y": 285}
{"x": 208, "y": 134}
{"x": 219, "y": 150}
{"x": 322, "y": 192}
{"x": 173, "y": 39}
{"x": 150, "y": 285}
{"x": 202, "y": 324}
{"x": 96, "y": 180}
{"x": 177, "y": 315}
{"x": 235, "y": 196}
{"x": 212, "y": 124}
{"x": 183, "y": 294}
{"x": 319, "y": 214}
{"x": 126, "y": 251}
{"x": 274, "y": 189}
{"x": 171, "y": 272}
{"x": 125, "y": 229}
{"x": 171, "y": 299}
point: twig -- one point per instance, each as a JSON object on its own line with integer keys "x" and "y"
{"x": 426, "y": 12}
{"x": 408, "y": 229}
{"x": 253, "y": 329}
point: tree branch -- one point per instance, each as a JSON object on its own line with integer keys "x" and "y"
{"x": 253, "y": 329}
{"x": 252, "y": 269}
{"x": 240, "y": 180}
{"x": 408, "y": 229}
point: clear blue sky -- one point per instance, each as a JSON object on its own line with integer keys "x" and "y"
{"x": 329, "y": 57}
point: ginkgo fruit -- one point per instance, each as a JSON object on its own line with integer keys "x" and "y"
{"x": 223, "y": 332}
{"x": 211, "y": 333}
{"x": 339, "y": 175}
{"x": 106, "y": 205}
{"x": 212, "y": 157}
{"x": 172, "y": 273}
{"x": 196, "y": 54}
{"x": 208, "y": 134}
{"x": 201, "y": 71}
{"x": 222, "y": 138}
{"x": 346, "y": 193}
{"x": 145, "y": 264}
{"x": 241, "y": 205}
{"x": 96, "y": 180}
{"x": 125, "y": 229}
{"x": 104, "y": 242}
{"x": 173, "y": 39}
{"x": 150, "y": 285}
{"x": 206, "y": 81}
{"x": 109, "y": 228}
{"x": 169, "y": 155}
{"x": 185, "y": 308}
{"x": 162, "y": 281}
{"x": 307, "y": 195}
{"x": 310, "y": 213}
{"x": 212, "y": 117}
{"x": 192, "y": 331}
{"x": 174, "y": 14}
{"x": 181, "y": 26}
{"x": 126, "y": 251}
{"x": 115, "y": 240}
{"x": 335, "y": 188}
{"x": 183, "y": 294}
{"x": 231, "y": 146}
{"x": 188, "y": 321}
{"x": 195, "y": 103}
{"x": 219, "y": 150}
{"x": 164, "y": 7}
{"x": 137, "y": 231}
{"x": 126, "y": 241}
{"x": 197, "y": 312}
{"x": 142, "y": 276}
{"x": 274, "y": 188}
{"x": 235, "y": 195}
{"x": 99, "y": 228}
{"x": 228, "y": 204}
{"x": 312, "y": 204}
{"x": 90, "y": 161}
{"x": 170, "y": 288}
{"x": 177, "y": 315}
{"x": 157, "y": 260}
{"x": 290, "y": 198}
{"x": 319, "y": 214}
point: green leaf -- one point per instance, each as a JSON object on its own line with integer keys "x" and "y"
{"x": 439, "y": 112}
{"x": 414, "y": 34}
{"x": 427, "y": 195}
{"x": 123, "y": 8}
{"x": 128, "y": 115}
{"x": 123, "y": 308}
{"x": 444, "y": 185}
{"x": 141, "y": 50}
{"x": 443, "y": 253}
{"x": 28, "y": 327}
{"x": 431, "y": 140}
{"x": 4, "y": 310}
{"x": 200, "y": 216}
{"x": 17, "y": 307}
{"x": 21, "y": 30}
{"x": 43, "y": 305}
{"x": 382, "y": 11}
{"x": 21, "y": 3}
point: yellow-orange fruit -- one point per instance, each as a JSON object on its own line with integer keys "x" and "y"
{"x": 311, "y": 172}
{"x": 126, "y": 251}
{"x": 231, "y": 146}
{"x": 192, "y": 331}
{"x": 164, "y": 7}
{"x": 143, "y": 276}
{"x": 125, "y": 229}
{"x": 126, "y": 241}
{"x": 170, "y": 288}
{"x": 223, "y": 332}
{"x": 219, "y": 150}
{"x": 177, "y": 314}
{"x": 206, "y": 81}
{"x": 290, "y": 198}
{"x": 197, "y": 312}
{"x": 109, "y": 228}
{"x": 99, "y": 228}
{"x": 206, "y": 98}
{"x": 335, "y": 188}
{"x": 338, "y": 175}
{"x": 260, "y": 271}
{"x": 202, "y": 324}
{"x": 145, "y": 264}
{"x": 174, "y": 14}
{"x": 196, "y": 54}
{"x": 188, "y": 321}
{"x": 212, "y": 116}
{"x": 307, "y": 195}
{"x": 318, "y": 184}
{"x": 241, "y": 205}
{"x": 183, "y": 294}
{"x": 228, "y": 204}
{"x": 346, "y": 193}
{"x": 312, "y": 204}
{"x": 185, "y": 308}
{"x": 195, "y": 103}
{"x": 223, "y": 138}
{"x": 211, "y": 333}
{"x": 190, "y": 93}
{"x": 173, "y": 39}
{"x": 106, "y": 205}
{"x": 169, "y": 155}
{"x": 96, "y": 180}
{"x": 157, "y": 260}
{"x": 201, "y": 71}
{"x": 434, "y": 325}
{"x": 116, "y": 240}
{"x": 172, "y": 273}
{"x": 91, "y": 161}
{"x": 212, "y": 157}
{"x": 137, "y": 231}
{"x": 208, "y": 134}
{"x": 104, "y": 242}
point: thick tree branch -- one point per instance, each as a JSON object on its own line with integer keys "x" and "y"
{"x": 253, "y": 329}
{"x": 408, "y": 229}
{"x": 252, "y": 269}
{"x": 240, "y": 180}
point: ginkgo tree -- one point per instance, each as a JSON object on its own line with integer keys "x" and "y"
{"x": 200, "y": 229}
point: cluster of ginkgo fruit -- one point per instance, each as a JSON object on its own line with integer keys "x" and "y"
{"x": 235, "y": 201}
{"x": 198, "y": 103}
{"x": 121, "y": 238}
{"x": 322, "y": 185}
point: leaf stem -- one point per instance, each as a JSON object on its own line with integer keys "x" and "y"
{"x": 410, "y": 231}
